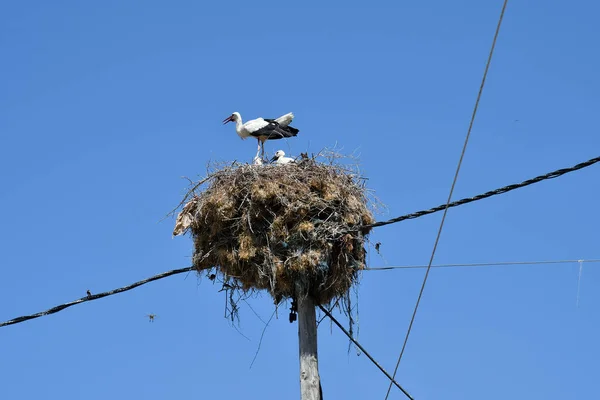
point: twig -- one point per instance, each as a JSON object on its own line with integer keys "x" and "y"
{"x": 240, "y": 332}
{"x": 261, "y": 338}
{"x": 187, "y": 196}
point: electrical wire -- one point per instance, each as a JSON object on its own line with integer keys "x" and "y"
{"x": 179, "y": 271}
{"x": 392, "y": 380}
{"x": 95, "y": 296}
{"x": 487, "y": 66}
{"x": 491, "y": 264}
{"x": 495, "y": 192}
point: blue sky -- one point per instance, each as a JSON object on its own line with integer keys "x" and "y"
{"x": 105, "y": 107}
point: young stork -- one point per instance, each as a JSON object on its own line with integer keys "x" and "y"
{"x": 281, "y": 159}
{"x": 263, "y": 129}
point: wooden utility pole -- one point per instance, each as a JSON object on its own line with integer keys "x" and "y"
{"x": 310, "y": 383}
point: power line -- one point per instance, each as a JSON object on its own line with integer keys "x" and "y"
{"x": 392, "y": 380}
{"x": 495, "y": 192}
{"x": 491, "y": 264}
{"x": 167, "y": 274}
{"x": 95, "y": 296}
{"x": 462, "y": 154}
{"x": 188, "y": 269}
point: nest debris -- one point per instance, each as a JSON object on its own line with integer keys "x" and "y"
{"x": 293, "y": 230}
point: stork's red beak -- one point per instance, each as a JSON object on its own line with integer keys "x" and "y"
{"x": 228, "y": 119}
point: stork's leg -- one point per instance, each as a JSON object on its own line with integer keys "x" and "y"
{"x": 257, "y": 149}
{"x": 263, "y": 149}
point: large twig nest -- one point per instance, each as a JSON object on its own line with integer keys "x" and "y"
{"x": 292, "y": 229}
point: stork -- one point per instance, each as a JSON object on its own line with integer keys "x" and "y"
{"x": 281, "y": 159}
{"x": 263, "y": 129}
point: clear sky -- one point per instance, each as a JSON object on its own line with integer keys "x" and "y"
{"x": 106, "y": 105}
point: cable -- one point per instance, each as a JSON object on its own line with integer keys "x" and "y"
{"x": 462, "y": 154}
{"x": 392, "y": 381}
{"x": 96, "y": 296}
{"x": 496, "y": 264}
{"x": 502, "y": 190}
{"x": 178, "y": 271}
{"x": 164, "y": 275}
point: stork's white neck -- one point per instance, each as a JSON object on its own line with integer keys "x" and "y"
{"x": 239, "y": 128}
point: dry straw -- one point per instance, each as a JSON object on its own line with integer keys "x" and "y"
{"x": 287, "y": 229}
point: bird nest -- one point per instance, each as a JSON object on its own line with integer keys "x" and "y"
{"x": 293, "y": 230}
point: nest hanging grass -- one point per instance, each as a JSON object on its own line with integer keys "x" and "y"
{"x": 293, "y": 230}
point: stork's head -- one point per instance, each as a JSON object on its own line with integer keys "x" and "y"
{"x": 235, "y": 117}
{"x": 278, "y": 155}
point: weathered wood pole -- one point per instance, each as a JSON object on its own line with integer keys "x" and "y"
{"x": 310, "y": 383}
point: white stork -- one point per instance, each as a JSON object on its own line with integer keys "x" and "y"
{"x": 281, "y": 159}
{"x": 263, "y": 129}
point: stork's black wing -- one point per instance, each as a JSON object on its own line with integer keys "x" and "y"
{"x": 273, "y": 131}
{"x": 288, "y": 128}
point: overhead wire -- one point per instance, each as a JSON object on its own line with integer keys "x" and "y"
{"x": 188, "y": 269}
{"x": 490, "y": 264}
{"x": 487, "y": 66}
{"x": 495, "y": 192}
{"x": 392, "y": 380}
{"x": 95, "y": 296}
